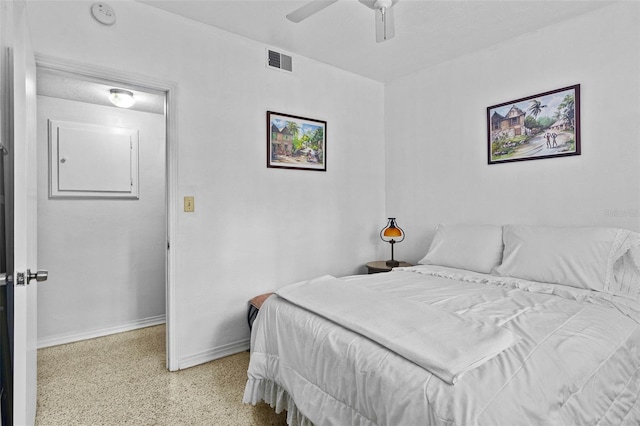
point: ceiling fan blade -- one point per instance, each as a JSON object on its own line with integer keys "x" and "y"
{"x": 385, "y": 29}
{"x": 309, "y": 9}
{"x": 369, "y": 3}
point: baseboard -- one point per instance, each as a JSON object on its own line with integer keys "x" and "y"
{"x": 76, "y": 337}
{"x": 214, "y": 353}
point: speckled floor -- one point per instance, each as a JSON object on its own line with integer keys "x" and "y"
{"x": 122, "y": 379}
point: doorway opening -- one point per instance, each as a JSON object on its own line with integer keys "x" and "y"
{"x": 113, "y": 252}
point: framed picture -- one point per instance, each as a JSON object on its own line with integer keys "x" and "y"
{"x": 296, "y": 142}
{"x": 541, "y": 126}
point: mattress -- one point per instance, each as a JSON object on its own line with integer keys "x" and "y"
{"x": 577, "y": 360}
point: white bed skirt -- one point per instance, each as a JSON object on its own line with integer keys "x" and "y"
{"x": 270, "y": 392}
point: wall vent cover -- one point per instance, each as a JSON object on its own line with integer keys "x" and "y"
{"x": 279, "y": 60}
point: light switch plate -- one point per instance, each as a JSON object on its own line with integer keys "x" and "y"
{"x": 189, "y": 204}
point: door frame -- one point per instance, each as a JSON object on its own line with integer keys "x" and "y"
{"x": 170, "y": 89}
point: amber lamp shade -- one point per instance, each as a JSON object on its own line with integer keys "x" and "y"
{"x": 392, "y": 234}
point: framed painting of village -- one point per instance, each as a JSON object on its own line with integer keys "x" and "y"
{"x": 296, "y": 142}
{"x": 545, "y": 125}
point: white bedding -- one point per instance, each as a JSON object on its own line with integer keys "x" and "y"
{"x": 456, "y": 344}
{"x": 578, "y": 361}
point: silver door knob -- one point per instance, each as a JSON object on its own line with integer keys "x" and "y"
{"x": 40, "y": 275}
{"x": 5, "y": 279}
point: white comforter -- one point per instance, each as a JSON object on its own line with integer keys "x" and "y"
{"x": 578, "y": 361}
{"x": 456, "y": 343}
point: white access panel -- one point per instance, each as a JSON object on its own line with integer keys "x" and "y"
{"x": 92, "y": 161}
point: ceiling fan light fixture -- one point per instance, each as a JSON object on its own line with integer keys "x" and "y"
{"x": 383, "y": 4}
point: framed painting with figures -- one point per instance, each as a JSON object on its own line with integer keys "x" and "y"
{"x": 295, "y": 142}
{"x": 545, "y": 125}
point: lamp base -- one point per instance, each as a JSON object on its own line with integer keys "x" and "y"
{"x": 393, "y": 263}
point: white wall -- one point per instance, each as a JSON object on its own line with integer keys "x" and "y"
{"x": 254, "y": 229}
{"x": 106, "y": 257}
{"x": 436, "y": 133}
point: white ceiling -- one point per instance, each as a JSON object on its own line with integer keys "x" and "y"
{"x": 428, "y": 32}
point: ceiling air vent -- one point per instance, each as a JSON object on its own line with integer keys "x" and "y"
{"x": 279, "y": 61}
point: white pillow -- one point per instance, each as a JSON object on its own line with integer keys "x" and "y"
{"x": 577, "y": 257}
{"x": 473, "y": 247}
{"x": 624, "y": 274}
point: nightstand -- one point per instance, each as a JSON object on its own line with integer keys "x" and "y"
{"x": 254, "y": 306}
{"x": 381, "y": 266}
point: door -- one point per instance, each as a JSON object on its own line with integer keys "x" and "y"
{"x": 20, "y": 193}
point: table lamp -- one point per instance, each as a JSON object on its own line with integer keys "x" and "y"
{"x": 392, "y": 234}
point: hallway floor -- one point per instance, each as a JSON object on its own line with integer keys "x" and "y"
{"x": 122, "y": 379}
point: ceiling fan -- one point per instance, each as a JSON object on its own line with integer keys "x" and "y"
{"x": 383, "y": 8}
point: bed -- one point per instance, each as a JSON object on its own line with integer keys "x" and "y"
{"x": 497, "y": 325}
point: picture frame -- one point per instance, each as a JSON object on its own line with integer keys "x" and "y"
{"x": 295, "y": 142}
{"x": 545, "y": 125}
